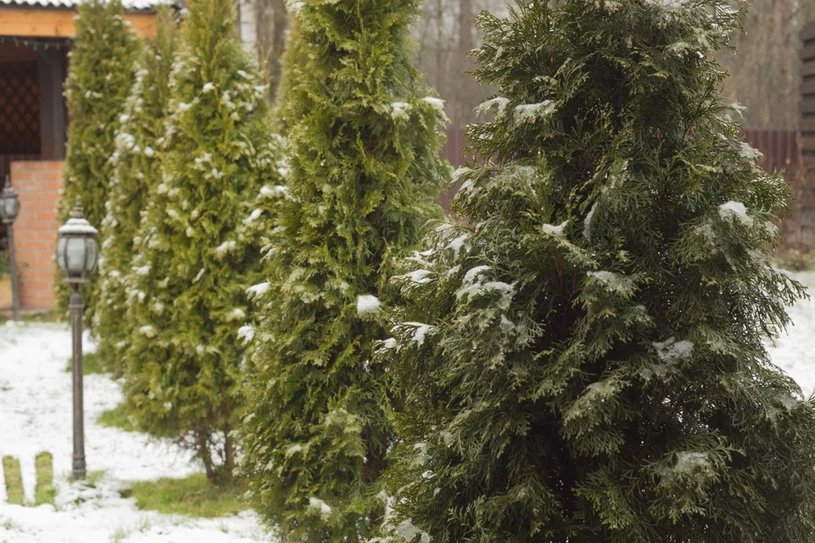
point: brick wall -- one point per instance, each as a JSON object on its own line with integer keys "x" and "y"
{"x": 35, "y": 230}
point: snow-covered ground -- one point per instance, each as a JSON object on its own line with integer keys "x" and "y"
{"x": 35, "y": 416}
{"x": 794, "y": 352}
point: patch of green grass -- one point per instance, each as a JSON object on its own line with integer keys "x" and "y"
{"x": 119, "y": 535}
{"x": 31, "y": 318}
{"x": 192, "y": 497}
{"x": 123, "y": 532}
{"x": 93, "y": 478}
{"x": 14, "y": 480}
{"x": 45, "y": 492}
{"x": 117, "y": 418}
{"x": 91, "y": 365}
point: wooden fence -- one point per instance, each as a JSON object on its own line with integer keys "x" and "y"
{"x": 781, "y": 153}
{"x": 799, "y": 230}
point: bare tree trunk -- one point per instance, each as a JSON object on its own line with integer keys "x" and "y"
{"x": 229, "y": 445}
{"x": 464, "y": 94}
{"x": 273, "y": 23}
{"x": 440, "y": 68}
{"x": 206, "y": 456}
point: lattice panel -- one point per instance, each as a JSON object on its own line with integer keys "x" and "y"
{"x": 19, "y": 108}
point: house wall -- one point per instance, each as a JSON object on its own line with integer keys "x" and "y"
{"x": 39, "y": 184}
{"x": 42, "y": 22}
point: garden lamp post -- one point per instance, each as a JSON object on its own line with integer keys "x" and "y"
{"x": 77, "y": 255}
{"x": 9, "y": 209}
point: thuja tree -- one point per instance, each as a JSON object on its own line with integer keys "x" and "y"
{"x": 364, "y": 177}
{"x": 100, "y": 75}
{"x": 293, "y": 63}
{"x": 585, "y": 360}
{"x": 186, "y": 291}
{"x": 136, "y": 173}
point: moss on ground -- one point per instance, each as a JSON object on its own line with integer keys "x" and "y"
{"x": 117, "y": 418}
{"x": 14, "y": 480}
{"x": 45, "y": 492}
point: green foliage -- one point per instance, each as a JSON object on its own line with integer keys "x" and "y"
{"x": 14, "y": 480}
{"x": 44, "y": 492}
{"x": 100, "y": 75}
{"x": 196, "y": 252}
{"x": 364, "y": 178}
{"x": 192, "y": 496}
{"x": 92, "y": 364}
{"x": 136, "y": 172}
{"x": 585, "y": 362}
{"x": 294, "y": 62}
{"x": 118, "y": 417}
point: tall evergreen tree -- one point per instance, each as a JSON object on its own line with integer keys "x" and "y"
{"x": 364, "y": 177}
{"x": 136, "y": 173}
{"x": 585, "y": 362}
{"x": 194, "y": 261}
{"x": 100, "y": 75}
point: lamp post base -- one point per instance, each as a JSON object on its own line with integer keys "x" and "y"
{"x": 79, "y": 469}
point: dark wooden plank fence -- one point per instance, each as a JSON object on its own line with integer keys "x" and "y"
{"x": 799, "y": 229}
{"x": 781, "y": 153}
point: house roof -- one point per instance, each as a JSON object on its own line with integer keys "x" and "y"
{"x": 129, "y": 5}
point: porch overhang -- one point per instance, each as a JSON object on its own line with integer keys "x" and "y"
{"x": 27, "y": 22}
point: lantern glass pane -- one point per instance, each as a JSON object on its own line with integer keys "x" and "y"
{"x": 61, "y": 244}
{"x": 75, "y": 252}
{"x": 93, "y": 255}
{"x": 12, "y": 207}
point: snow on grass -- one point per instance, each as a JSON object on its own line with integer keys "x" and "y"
{"x": 35, "y": 416}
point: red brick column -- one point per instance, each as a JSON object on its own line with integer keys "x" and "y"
{"x": 35, "y": 230}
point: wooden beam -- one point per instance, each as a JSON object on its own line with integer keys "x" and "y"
{"x": 808, "y": 32}
{"x": 53, "y": 23}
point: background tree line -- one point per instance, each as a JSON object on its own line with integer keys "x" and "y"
{"x": 764, "y": 76}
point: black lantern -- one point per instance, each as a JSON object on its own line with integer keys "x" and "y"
{"x": 9, "y": 209}
{"x": 77, "y": 251}
{"x": 9, "y": 203}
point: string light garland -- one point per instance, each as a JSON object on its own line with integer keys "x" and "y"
{"x": 38, "y": 44}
